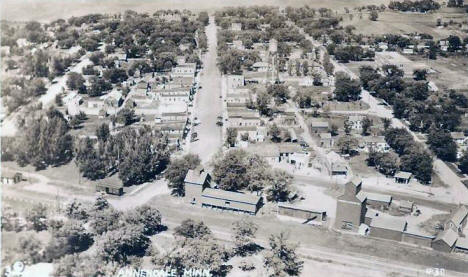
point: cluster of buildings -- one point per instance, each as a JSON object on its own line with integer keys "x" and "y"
{"x": 362, "y": 212}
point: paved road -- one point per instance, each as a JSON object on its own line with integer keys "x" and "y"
{"x": 208, "y": 105}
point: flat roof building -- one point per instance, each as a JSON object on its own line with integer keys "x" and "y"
{"x": 387, "y": 228}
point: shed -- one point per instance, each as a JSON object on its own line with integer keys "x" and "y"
{"x": 403, "y": 177}
{"x": 11, "y": 178}
{"x": 339, "y": 169}
{"x": 300, "y": 212}
{"x": 414, "y": 236}
{"x": 379, "y": 200}
{"x": 406, "y": 206}
{"x": 115, "y": 189}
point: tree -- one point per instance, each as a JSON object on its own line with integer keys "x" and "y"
{"x": 280, "y": 189}
{"x": 347, "y": 126}
{"x": 98, "y": 86}
{"x": 71, "y": 238}
{"x": 76, "y": 210}
{"x": 145, "y": 154}
{"x": 37, "y": 217}
{"x": 146, "y": 215}
{"x": 59, "y": 100}
{"x": 75, "y": 81}
{"x": 115, "y": 75}
{"x": 327, "y": 65}
{"x": 387, "y": 122}
{"x": 192, "y": 229}
{"x": 346, "y": 89}
{"x": 419, "y": 74}
{"x": 231, "y": 136}
{"x": 347, "y": 144}
{"x": 367, "y": 74}
{"x": 366, "y": 124}
{"x": 104, "y": 220}
{"x": 122, "y": 244}
{"x": 385, "y": 163}
{"x": 463, "y": 163}
{"x": 373, "y": 15}
{"x": 230, "y": 170}
{"x": 125, "y": 116}
{"x": 441, "y": 142}
{"x": 279, "y": 92}
{"x": 275, "y": 133}
{"x": 30, "y": 249}
{"x": 263, "y": 103}
{"x": 282, "y": 259}
{"x": 419, "y": 163}
{"x": 177, "y": 170}
{"x": 243, "y": 235}
{"x": 103, "y": 132}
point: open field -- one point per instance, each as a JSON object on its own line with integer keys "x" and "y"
{"x": 403, "y": 23}
{"x": 54, "y": 9}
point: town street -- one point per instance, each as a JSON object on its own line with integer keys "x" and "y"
{"x": 460, "y": 192}
{"x": 208, "y": 103}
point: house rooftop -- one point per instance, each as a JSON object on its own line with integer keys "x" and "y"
{"x": 457, "y": 135}
{"x": 390, "y": 223}
{"x": 231, "y": 196}
{"x": 403, "y": 175}
{"x": 319, "y": 124}
{"x": 325, "y": 135}
{"x": 196, "y": 176}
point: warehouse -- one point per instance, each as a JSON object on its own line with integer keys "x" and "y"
{"x": 445, "y": 241}
{"x": 390, "y": 228}
{"x": 229, "y": 200}
{"x": 378, "y": 200}
{"x": 302, "y": 213}
{"x": 413, "y": 236}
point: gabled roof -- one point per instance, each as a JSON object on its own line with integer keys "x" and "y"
{"x": 462, "y": 243}
{"x": 389, "y": 223}
{"x": 319, "y": 124}
{"x": 403, "y": 175}
{"x": 448, "y": 236}
{"x": 379, "y": 197}
{"x": 460, "y": 214}
{"x": 195, "y": 177}
{"x": 231, "y": 196}
{"x": 457, "y": 135}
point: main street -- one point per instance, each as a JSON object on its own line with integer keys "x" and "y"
{"x": 208, "y": 105}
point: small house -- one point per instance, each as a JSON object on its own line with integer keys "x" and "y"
{"x": 11, "y": 178}
{"x": 339, "y": 169}
{"x": 236, "y": 26}
{"x": 261, "y": 66}
{"x": 406, "y": 206}
{"x": 459, "y": 138}
{"x": 458, "y": 219}
{"x": 114, "y": 189}
{"x": 379, "y": 200}
{"x": 403, "y": 177}
{"x": 326, "y": 140}
{"x": 319, "y": 127}
{"x": 235, "y": 81}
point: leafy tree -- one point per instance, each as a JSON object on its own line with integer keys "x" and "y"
{"x": 37, "y": 217}
{"x": 279, "y": 92}
{"x": 98, "y": 86}
{"x": 30, "y": 249}
{"x": 275, "y": 133}
{"x": 177, "y": 170}
{"x": 419, "y": 74}
{"x": 366, "y": 124}
{"x": 347, "y": 144}
{"x": 125, "y": 116}
{"x": 103, "y": 132}
{"x": 281, "y": 188}
{"x": 463, "y": 163}
{"x": 115, "y": 75}
{"x": 76, "y": 210}
{"x": 442, "y": 144}
{"x": 230, "y": 170}
{"x": 123, "y": 243}
{"x": 419, "y": 163}
{"x": 231, "y": 136}
{"x": 243, "y": 235}
{"x": 346, "y": 89}
{"x": 192, "y": 229}
{"x": 263, "y": 103}
{"x": 71, "y": 238}
{"x": 385, "y": 163}
{"x": 373, "y": 15}
{"x": 282, "y": 259}
{"x": 146, "y": 215}
{"x": 367, "y": 74}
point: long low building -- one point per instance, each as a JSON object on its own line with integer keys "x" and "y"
{"x": 229, "y": 200}
{"x": 387, "y": 228}
{"x": 300, "y": 212}
{"x": 198, "y": 191}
